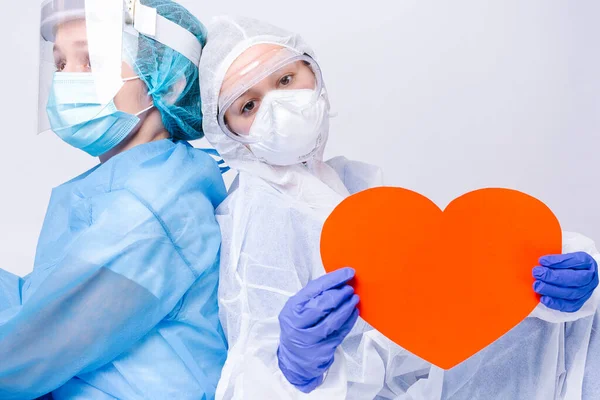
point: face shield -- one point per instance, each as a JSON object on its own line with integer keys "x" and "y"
{"x": 252, "y": 84}
{"x": 88, "y": 51}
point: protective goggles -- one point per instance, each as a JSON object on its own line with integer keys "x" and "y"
{"x": 243, "y": 89}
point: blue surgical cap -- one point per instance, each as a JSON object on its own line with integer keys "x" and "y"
{"x": 167, "y": 73}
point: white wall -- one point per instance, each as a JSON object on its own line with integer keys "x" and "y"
{"x": 446, "y": 97}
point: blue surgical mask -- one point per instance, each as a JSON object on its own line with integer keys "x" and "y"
{"x": 78, "y": 118}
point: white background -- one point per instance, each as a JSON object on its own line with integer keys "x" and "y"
{"x": 447, "y": 97}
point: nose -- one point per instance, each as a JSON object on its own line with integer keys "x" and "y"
{"x": 75, "y": 67}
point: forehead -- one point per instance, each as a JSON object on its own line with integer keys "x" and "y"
{"x": 71, "y": 32}
{"x": 247, "y": 60}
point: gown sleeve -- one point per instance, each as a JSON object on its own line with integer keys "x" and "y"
{"x": 122, "y": 274}
{"x": 270, "y": 251}
{"x": 266, "y": 257}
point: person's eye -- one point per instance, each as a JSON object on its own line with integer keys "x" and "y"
{"x": 60, "y": 65}
{"x": 286, "y": 80}
{"x": 248, "y": 107}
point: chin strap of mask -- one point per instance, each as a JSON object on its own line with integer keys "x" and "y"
{"x": 148, "y": 23}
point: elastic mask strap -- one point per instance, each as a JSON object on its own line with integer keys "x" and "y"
{"x": 132, "y": 78}
{"x": 147, "y": 22}
{"x": 144, "y": 110}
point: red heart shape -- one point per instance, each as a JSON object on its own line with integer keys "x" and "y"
{"x": 443, "y": 285}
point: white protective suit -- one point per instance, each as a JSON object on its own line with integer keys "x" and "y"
{"x": 271, "y": 225}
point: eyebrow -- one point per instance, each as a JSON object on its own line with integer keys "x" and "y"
{"x": 79, "y": 44}
{"x": 242, "y": 96}
{"x": 283, "y": 71}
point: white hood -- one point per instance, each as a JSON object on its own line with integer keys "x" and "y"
{"x": 228, "y": 37}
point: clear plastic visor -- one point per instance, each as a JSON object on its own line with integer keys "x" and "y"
{"x": 87, "y": 51}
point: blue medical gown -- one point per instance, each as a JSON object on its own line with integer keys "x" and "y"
{"x": 122, "y": 301}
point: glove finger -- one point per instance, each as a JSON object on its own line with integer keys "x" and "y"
{"x": 345, "y": 330}
{"x": 311, "y": 312}
{"x": 325, "y": 282}
{"x": 319, "y": 356}
{"x": 335, "y": 321}
{"x": 564, "y": 277}
{"x": 563, "y": 293}
{"x": 330, "y": 299}
{"x": 336, "y": 338}
{"x": 569, "y": 306}
{"x": 313, "y": 335}
{"x": 579, "y": 260}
